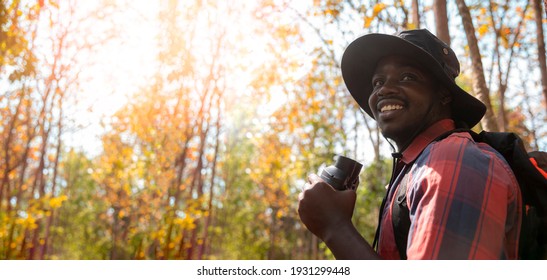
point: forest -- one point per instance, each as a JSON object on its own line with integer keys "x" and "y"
{"x": 185, "y": 130}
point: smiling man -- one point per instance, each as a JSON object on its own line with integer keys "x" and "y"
{"x": 460, "y": 199}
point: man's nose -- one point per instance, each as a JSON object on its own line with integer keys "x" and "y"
{"x": 389, "y": 87}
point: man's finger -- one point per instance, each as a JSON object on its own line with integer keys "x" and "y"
{"x": 314, "y": 178}
{"x": 306, "y": 186}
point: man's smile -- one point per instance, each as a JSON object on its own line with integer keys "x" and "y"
{"x": 390, "y": 107}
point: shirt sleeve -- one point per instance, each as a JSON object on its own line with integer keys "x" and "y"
{"x": 463, "y": 203}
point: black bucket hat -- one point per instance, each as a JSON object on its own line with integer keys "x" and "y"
{"x": 361, "y": 56}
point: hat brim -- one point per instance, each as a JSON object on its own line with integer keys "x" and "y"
{"x": 362, "y": 55}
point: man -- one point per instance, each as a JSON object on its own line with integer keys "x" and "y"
{"x": 462, "y": 199}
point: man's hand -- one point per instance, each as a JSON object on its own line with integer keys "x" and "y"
{"x": 323, "y": 209}
{"x": 327, "y": 214}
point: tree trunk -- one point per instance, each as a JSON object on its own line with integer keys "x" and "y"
{"x": 541, "y": 46}
{"x": 192, "y": 241}
{"x": 502, "y": 86}
{"x": 209, "y": 217}
{"x": 58, "y": 150}
{"x": 441, "y": 21}
{"x": 479, "y": 82}
{"x": 273, "y": 235}
{"x": 4, "y": 183}
{"x": 415, "y": 14}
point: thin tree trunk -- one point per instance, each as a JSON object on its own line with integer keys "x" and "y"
{"x": 208, "y": 219}
{"x": 7, "y": 151}
{"x": 479, "y": 82}
{"x": 50, "y": 219}
{"x": 501, "y": 119}
{"x": 441, "y": 21}
{"x": 273, "y": 234}
{"x": 40, "y": 183}
{"x": 192, "y": 241}
{"x": 541, "y": 46}
{"x": 415, "y": 14}
{"x": 35, "y": 241}
{"x": 503, "y": 78}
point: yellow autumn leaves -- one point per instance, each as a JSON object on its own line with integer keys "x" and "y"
{"x": 42, "y": 208}
{"x": 486, "y": 25}
{"x": 333, "y": 8}
{"x": 375, "y": 11}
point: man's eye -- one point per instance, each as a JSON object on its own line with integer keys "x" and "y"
{"x": 378, "y": 82}
{"x": 408, "y": 77}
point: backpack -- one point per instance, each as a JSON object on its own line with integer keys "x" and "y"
{"x": 530, "y": 170}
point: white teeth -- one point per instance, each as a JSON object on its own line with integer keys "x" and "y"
{"x": 391, "y": 108}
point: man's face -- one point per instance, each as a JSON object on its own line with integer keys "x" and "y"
{"x": 404, "y": 99}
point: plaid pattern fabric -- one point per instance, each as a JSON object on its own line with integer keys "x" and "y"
{"x": 463, "y": 199}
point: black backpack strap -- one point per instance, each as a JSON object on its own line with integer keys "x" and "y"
{"x": 401, "y": 218}
{"x": 396, "y": 177}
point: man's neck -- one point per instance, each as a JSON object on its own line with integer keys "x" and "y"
{"x": 423, "y": 139}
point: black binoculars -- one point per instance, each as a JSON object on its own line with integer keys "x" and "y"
{"x": 343, "y": 175}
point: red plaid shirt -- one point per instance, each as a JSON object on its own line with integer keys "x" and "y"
{"x": 463, "y": 198}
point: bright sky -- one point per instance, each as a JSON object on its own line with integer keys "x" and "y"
{"x": 128, "y": 62}
{"x": 118, "y": 69}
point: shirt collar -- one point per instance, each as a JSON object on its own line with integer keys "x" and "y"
{"x": 423, "y": 139}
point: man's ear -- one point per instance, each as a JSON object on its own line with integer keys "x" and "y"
{"x": 446, "y": 97}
